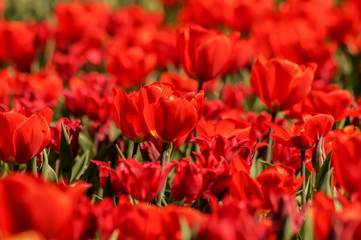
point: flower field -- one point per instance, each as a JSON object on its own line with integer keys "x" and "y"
{"x": 180, "y": 119}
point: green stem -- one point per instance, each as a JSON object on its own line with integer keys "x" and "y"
{"x": 32, "y": 166}
{"x": 163, "y": 162}
{"x": 303, "y": 174}
{"x": 269, "y": 140}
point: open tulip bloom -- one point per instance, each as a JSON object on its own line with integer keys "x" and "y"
{"x": 200, "y": 119}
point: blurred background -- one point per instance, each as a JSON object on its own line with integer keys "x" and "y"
{"x": 40, "y": 10}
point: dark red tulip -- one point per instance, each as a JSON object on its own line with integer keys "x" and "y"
{"x": 187, "y": 183}
{"x": 144, "y": 181}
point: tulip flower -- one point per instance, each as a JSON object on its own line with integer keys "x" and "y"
{"x": 30, "y": 203}
{"x": 304, "y": 134}
{"x": 73, "y": 129}
{"x": 144, "y": 181}
{"x": 168, "y": 115}
{"x": 278, "y": 180}
{"x": 127, "y": 116}
{"x": 346, "y": 160}
{"x": 280, "y": 83}
{"x": 204, "y": 54}
{"x": 330, "y": 100}
{"x": 23, "y": 136}
{"x": 187, "y": 183}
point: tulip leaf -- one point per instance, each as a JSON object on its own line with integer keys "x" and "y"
{"x": 104, "y": 152}
{"x": 51, "y": 174}
{"x": 108, "y": 190}
{"x": 120, "y": 152}
{"x": 323, "y": 175}
{"x": 114, "y": 235}
{"x": 79, "y": 166}
{"x": 186, "y": 230}
{"x": 286, "y": 232}
{"x": 66, "y": 156}
{"x": 307, "y": 228}
{"x": 326, "y": 185}
{"x": 86, "y": 143}
{"x": 46, "y": 170}
{"x": 84, "y": 166}
{"x": 90, "y": 175}
{"x": 32, "y": 166}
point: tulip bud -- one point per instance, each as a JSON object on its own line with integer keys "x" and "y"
{"x": 319, "y": 155}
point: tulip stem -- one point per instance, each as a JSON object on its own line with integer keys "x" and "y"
{"x": 269, "y": 140}
{"x": 200, "y": 86}
{"x": 135, "y": 149}
{"x": 303, "y": 174}
{"x": 163, "y": 157}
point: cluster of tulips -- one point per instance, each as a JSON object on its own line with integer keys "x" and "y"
{"x": 206, "y": 119}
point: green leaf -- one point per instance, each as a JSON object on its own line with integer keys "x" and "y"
{"x": 31, "y": 166}
{"x": 286, "y": 229}
{"x": 108, "y": 190}
{"x": 66, "y": 156}
{"x": 46, "y": 170}
{"x": 120, "y": 152}
{"x": 114, "y": 235}
{"x": 79, "y": 166}
{"x": 186, "y": 230}
{"x": 86, "y": 144}
{"x": 308, "y": 232}
{"x": 323, "y": 176}
{"x": 265, "y": 164}
{"x": 85, "y": 166}
{"x": 326, "y": 185}
{"x": 104, "y": 152}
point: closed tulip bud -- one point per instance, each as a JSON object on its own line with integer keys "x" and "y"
{"x": 128, "y": 117}
{"x": 319, "y": 155}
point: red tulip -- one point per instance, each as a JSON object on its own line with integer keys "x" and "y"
{"x": 278, "y": 180}
{"x": 30, "y": 203}
{"x": 322, "y": 213}
{"x": 130, "y": 75}
{"x": 73, "y": 129}
{"x": 346, "y": 159}
{"x": 128, "y": 117}
{"x": 243, "y": 186}
{"x": 181, "y": 83}
{"x": 168, "y": 115}
{"x": 280, "y": 83}
{"x": 204, "y": 54}
{"x": 23, "y": 136}
{"x": 144, "y": 181}
{"x": 330, "y": 100}
{"x": 187, "y": 183}
{"x": 304, "y": 134}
